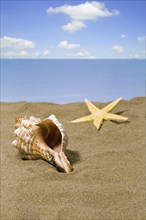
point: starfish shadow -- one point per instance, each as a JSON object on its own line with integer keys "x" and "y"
{"x": 120, "y": 122}
{"x": 121, "y": 112}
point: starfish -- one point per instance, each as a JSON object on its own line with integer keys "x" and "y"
{"x": 98, "y": 116}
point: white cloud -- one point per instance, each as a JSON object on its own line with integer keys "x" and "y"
{"x": 83, "y": 54}
{"x": 18, "y": 43}
{"x": 134, "y": 56}
{"x": 118, "y": 49}
{"x": 19, "y": 54}
{"x": 45, "y": 53}
{"x": 85, "y": 11}
{"x": 73, "y": 26}
{"x": 82, "y": 12}
{"x": 123, "y": 35}
{"x": 12, "y": 47}
{"x": 143, "y": 38}
{"x": 66, "y": 45}
{"x": 24, "y": 54}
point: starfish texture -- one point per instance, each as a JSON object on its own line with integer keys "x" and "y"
{"x": 98, "y": 116}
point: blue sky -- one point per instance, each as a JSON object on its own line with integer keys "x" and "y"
{"x": 73, "y": 29}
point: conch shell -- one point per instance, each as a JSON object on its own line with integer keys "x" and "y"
{"x": 46, "y": 139}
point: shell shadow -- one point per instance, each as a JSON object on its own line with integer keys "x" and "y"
{"x": 73, "y": 156}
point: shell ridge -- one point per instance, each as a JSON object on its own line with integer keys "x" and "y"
{"x": 61, "y": 128}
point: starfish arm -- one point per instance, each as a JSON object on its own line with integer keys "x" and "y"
{"x": 98, "y": 122}
{"x": 92, "y": 108}
{"x": 83, "y": 119}
{"x": 110, "y": 107}
{"x": 114, "y": 117}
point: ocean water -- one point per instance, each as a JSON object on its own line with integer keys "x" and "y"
{"x": 65, "y": 81}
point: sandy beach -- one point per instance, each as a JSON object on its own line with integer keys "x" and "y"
{"x": 108, "y": 181}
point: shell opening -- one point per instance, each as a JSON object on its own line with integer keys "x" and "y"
{"x": 50, "y": 134}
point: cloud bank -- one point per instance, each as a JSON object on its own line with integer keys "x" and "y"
{"x": 12, "y": 47}
{"x": 18, "y": 43}
{"x": 82, "y": 54}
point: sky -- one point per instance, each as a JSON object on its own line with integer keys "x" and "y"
{"x": 111, "y": 29}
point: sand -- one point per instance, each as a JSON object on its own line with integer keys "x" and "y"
{"x": 108, "y": 181}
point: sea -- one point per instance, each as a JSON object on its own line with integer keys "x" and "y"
{"x": 67, "y": 81}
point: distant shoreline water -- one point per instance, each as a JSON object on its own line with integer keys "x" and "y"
{"x": 66, "y": 81}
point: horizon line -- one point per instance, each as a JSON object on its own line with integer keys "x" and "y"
{"x": 68, "y": 102}
{"x": 72, "y": 59}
